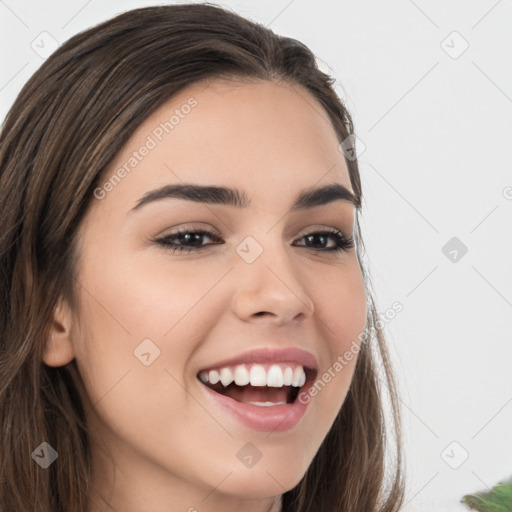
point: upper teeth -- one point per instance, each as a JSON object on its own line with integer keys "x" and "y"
{"x": 274, "y": 376}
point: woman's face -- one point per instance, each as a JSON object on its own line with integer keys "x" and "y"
{"x": 258, "y": 292}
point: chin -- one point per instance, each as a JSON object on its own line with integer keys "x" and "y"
{"x": 265, "y": 483}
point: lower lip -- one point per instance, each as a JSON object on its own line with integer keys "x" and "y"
{"x": 274, "y": 418}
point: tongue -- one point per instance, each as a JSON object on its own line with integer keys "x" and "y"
{"x": 250, "y": 393}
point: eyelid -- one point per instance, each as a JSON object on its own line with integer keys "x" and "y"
{"x": 185, "y": 228}
{"x": 191, "y": 227}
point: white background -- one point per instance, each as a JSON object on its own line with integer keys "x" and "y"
{"x": 436, "y": 130}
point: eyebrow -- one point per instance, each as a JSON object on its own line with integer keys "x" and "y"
{"x": 209, "y": 194}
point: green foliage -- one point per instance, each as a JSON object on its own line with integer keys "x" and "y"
{"x": 498, "y": 499}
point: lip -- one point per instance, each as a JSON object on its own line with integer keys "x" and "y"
{"x": 269, "y": 355}
{"x": 276, "y": 418}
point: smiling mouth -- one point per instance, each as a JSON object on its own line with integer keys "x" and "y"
{"x": 262, "y": 385}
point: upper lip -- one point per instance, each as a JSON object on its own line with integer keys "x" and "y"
{"x": 269, "y": 355}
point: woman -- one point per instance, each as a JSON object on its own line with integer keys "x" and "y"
{"x": 186, "y": 322}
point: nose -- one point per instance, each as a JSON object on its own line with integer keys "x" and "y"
{"x": 273, "y": 287}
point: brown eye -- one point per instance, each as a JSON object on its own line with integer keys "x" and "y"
{"x": 190, "y": 240}
{"x": 341, "y": 241}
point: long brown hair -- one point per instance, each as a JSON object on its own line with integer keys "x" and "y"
{"x": 64, "y": 129}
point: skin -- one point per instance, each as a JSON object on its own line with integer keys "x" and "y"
{"x": 173, "y": 450}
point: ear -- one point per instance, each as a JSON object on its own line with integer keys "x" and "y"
{"x": 59, "y": 347}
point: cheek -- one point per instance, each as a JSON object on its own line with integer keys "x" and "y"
{"x": 342, "y": 314}
{"x": 128, "y": 366}
{"x": 342, "y": 309}
{"x": 148, "y": 295}
{"x": 130, "y": 310}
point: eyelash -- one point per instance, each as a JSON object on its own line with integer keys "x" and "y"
{"x": 343, "y": 242}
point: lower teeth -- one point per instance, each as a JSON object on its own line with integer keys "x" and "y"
{"x": 267, "y": 404}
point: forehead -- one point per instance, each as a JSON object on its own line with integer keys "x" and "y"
{"x": 262, "y": 136}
